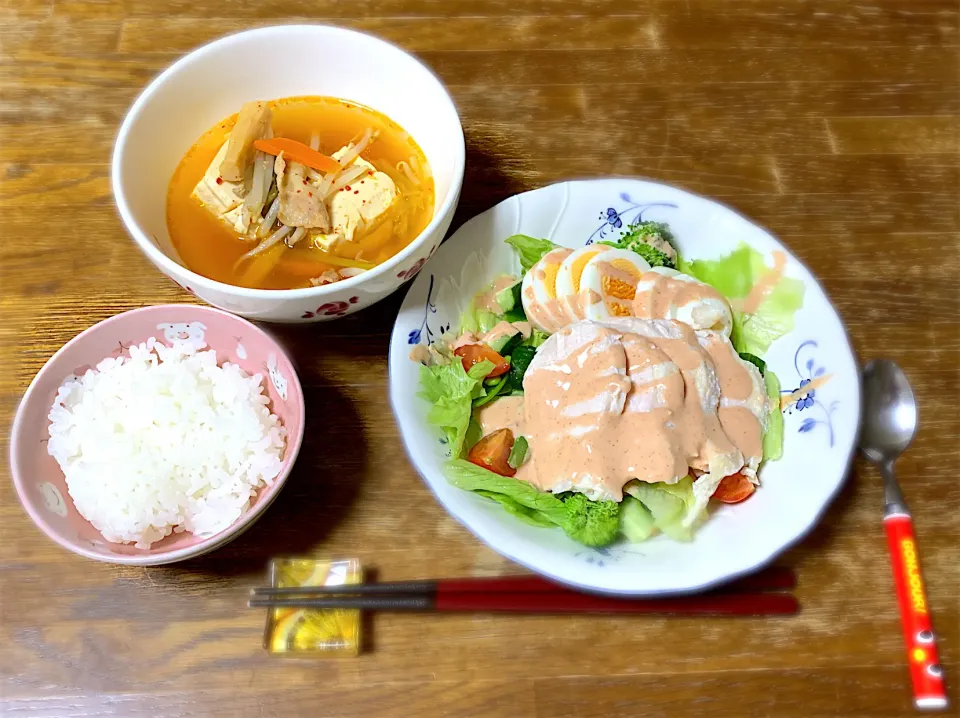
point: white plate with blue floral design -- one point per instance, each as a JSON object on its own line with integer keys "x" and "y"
{"x": 815, "y": 363}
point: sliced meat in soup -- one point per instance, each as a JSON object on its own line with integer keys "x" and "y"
{"x": 300, "y": 204}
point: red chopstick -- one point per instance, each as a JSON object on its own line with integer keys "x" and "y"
{"x": 569, "y": 602}
{"x": 531, "y": 594}
{"x": 773, "y": 578}
{"x": 752, "y": 604}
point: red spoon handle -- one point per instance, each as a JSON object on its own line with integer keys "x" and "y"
{"x": 925, "y": 670}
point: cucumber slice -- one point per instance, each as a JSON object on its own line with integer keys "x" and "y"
{"x": 505, "y": 343}
{"x": 509, "y": 298}
{"x": 636, "y": 521}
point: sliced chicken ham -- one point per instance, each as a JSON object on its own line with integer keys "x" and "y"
{"x": 608, "y": 402}
{"x": 253, "y": 123}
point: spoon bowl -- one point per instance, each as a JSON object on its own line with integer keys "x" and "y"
{"x": 889, "y": 411}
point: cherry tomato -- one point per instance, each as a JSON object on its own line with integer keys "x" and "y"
{"x": 734, "y": 489}
{"x": 471, "y": 354}
{"x": 492, "y": 452}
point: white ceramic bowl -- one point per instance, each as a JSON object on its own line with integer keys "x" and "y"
{"x": 212, "y": 83}
{"x": 820, "y": 429}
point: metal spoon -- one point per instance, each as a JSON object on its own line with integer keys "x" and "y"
{"x": 889, "y": 423}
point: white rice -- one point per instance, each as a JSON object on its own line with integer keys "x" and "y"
{"x": 164, "y": 441}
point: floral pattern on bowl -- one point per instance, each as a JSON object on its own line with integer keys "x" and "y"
{"x": 332, "y": 309}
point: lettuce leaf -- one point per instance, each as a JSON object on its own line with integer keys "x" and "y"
{"x": 773, "y": 319}
{"x": 471, "y": 477}
{"x": 478, "y": 320}
{"x": 647, "y": 508}
{"x": 451, "y": 391}
{"x": 668, "y": 504}
{"x": 527, "y": 515}
{"x": 529, "y": 249}
{"x": 773, "y": 437}
{"x": 734, "y": 276}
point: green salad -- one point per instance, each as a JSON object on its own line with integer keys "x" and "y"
{"x": 507, "y": 330}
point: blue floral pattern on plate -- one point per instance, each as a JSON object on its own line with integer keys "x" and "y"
{"x": 817, "y": 412}
{"x": 609, "y": 554}
{"x": 424, "y": 331}
{"x": 613, "y": 219}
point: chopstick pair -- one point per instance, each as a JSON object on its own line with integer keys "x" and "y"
{"x": 531, "y": 594}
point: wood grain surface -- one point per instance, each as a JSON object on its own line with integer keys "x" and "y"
{"x": 835, "y": 124}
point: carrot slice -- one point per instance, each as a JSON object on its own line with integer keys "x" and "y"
{"x": 298, "y": 152}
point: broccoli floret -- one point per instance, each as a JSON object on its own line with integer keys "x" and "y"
{"x": 654, "y": 257}
{"x": 649, "y": 229}
{"x": 651, "y": 240}
{"x": 593, "y": 523}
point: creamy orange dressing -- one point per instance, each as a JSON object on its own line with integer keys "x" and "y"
{"x": 734, "y": 377}
{"x": 699, "y": 426}
{"x": 544, "y": 309}
{"x": 488, "y": 298}
{"x": 525, "y": 329}
{"x": 504, "y": 413}
{"x": 576, "y": 298}
{"x": 463, "y": 340}
{"x": 736, "y": 386}
{"x": 507, "y": 413}
{"x": 658, "y": 294}
{"x": 420, "y": 354}
{"x": 608, "y": 403}
{"x": 506, "y": 329}
{"x": 543, "y": 314}
{"x": 743, "y": 428}
{"x": 501, "y": 329}
{"x": 577, "y": 305}
{"x": 762, "y": 289}
{"x": 667, "y": 294}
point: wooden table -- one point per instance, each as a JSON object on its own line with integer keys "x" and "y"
{"x": 832, "y": 123}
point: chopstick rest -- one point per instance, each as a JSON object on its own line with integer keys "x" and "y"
{"x": 313, "y": 630}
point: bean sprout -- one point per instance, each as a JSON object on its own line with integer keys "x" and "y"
{"x": 264, "y": 245}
